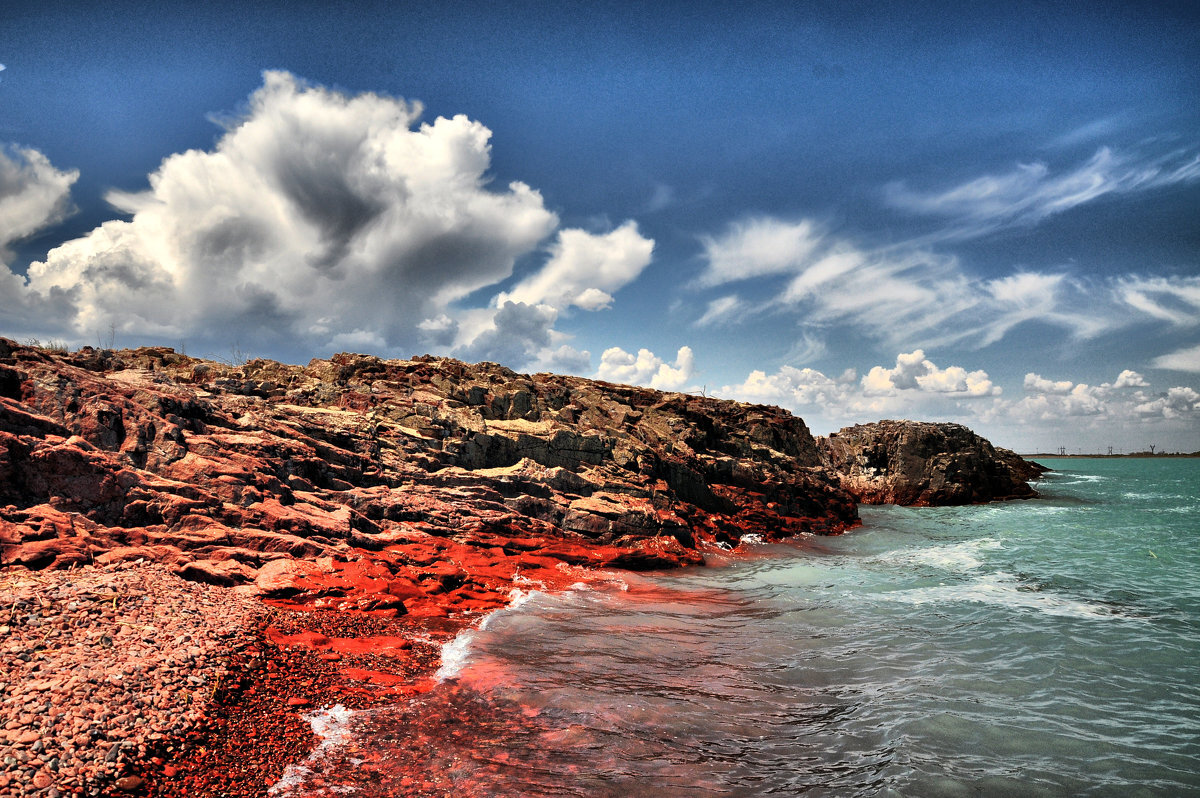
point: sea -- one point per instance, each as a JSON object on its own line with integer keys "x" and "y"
{"x": 1046, "y": 647}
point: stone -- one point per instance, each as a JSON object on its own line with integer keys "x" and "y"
{"x": 129, "y": 783}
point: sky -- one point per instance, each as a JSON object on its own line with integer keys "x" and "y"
{"x": 855, "y": 211}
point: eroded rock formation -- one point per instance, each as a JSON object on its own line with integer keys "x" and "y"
{"x": 420, "y": 476}
{"x": 919, "y": 463}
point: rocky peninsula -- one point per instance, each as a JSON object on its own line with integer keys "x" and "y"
{"x": 195, "y": 553}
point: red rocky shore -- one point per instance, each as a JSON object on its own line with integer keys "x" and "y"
{"x": 195, "y": 554}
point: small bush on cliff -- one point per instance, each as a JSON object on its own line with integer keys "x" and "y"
{"x": 57, "y": 347}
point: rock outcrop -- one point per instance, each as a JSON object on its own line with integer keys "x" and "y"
{"x": 408, "y": 477}
{"x": 919, "y": 463}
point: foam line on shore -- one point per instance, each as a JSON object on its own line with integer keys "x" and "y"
{"x": 332, "y": 726}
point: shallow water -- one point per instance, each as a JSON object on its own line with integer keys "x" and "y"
{"x": 1036, "y": 648}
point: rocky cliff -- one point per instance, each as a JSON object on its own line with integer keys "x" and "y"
{"x": 919, "y": 463}
{"x": 227, "y": 472}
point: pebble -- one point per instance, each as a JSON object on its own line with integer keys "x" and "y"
{"x": 87, "y": 688}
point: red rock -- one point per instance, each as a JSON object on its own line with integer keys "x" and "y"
{"x": 284, "y": 577}
{"x": 129, "y": 783}
{"x": 297, "y": 701}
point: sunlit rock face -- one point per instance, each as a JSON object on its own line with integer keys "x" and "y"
{"x": 475, "y": 471}
{"x": 919, "y": 463}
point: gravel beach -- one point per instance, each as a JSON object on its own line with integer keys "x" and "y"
{"x": 105, "y": 666}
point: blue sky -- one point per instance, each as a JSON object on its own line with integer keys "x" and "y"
{"x": 855, "y": 211}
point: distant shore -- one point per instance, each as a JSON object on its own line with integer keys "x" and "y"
{"x": 1144, "y": 455}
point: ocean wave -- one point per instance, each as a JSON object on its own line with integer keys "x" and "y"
{"x": 1074, "y": 479}
{"x": 1004, "y": 590}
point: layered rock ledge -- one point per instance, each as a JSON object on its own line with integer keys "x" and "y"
{"x": 218, "y": 470}
{"x": 925, "y": 464}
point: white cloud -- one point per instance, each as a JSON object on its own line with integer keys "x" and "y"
{"x": 1187, "y": 359}
{"x": 646, "y": 368}
{"x": 1034, "y": 296}
{"x": 913, "y": 372}
{"x": 758, "y": 247}
{"x": 1051, "y": 413}
{"x": 517, "y": 333}
{"x": 905, "y": 295}
{"x": 33, "y": 195}
{"x": 1171, "y": 299}
{"x": 565, "y": 359}
{"x": 909, "y": 295}
{"x": 796, "y": 389}
{"x": 318, "y": 219}
{"x": 720, "y": 310}
{"x": 1035, "y": 383}
{"x": 585, "y": 269}
{"x": 1051, "y": 400}
{"x": 1177, "y": 402}
{"x": 1130, "y": 379}
{"x": 1031, "y": 192}
{"x": 914, "y": 388}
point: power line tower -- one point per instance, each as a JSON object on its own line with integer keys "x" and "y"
{"x": 1152, "y": 448}
{"x": 1062, "y": 450}
{"x": 1110, "y": 451}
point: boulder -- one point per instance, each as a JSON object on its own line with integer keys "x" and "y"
{"x": 920, "y": 463}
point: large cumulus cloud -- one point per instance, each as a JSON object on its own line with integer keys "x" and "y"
{"x": 33, "y": 196}
{"x": 321, "y": 220}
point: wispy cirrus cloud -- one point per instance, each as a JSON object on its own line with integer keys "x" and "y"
{"x": 916, "y": 292}
{"x": 903, "y": 295}
{"x": 1171, "y": 299}
{"x": 1186, "y": 359}
{"x": 1032, "y": 192}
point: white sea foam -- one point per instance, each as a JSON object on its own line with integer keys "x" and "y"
{"x": 752, "y": 539}
{"x": 332, "y": 726}
{"x": 455, "y": 654}
{"x": 1003, "y": 590}
{"x": 963, "y": 556}
{"x": 1078, "y": 479}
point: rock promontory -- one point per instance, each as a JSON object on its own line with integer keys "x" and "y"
{"x": 921, "y": 463}
{"x": 219, "y": 470}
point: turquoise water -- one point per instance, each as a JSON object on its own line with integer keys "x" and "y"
{"x": 1037, "y": 648}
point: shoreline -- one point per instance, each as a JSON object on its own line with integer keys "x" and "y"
{"x": 259, "y": 667}
{"x": 296, "y": 659}
{"x": 257, "y": 729}
{"x": 353, "y": 515}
